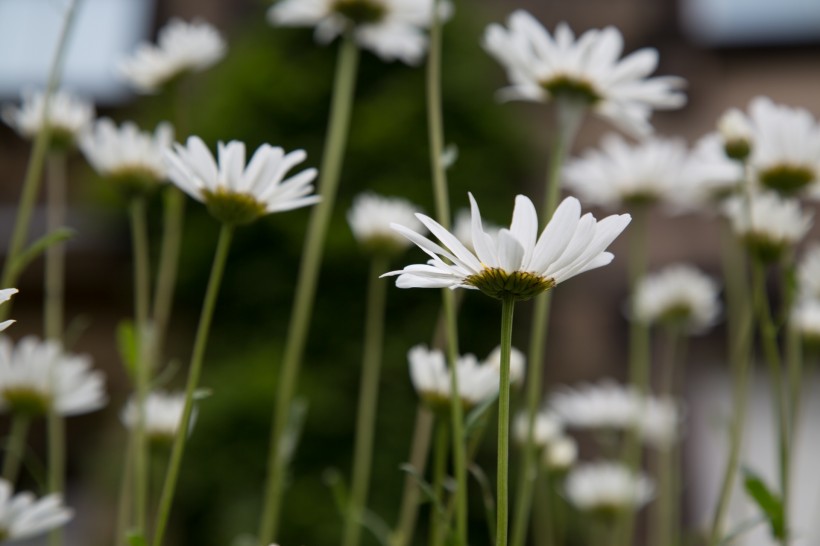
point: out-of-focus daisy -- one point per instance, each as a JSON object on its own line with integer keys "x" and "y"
{"x": 68, "y": 116}
{"x": 181, "y": 47}
{"x": 23, "y": 516}
{"x": 808, "y": 273}
{"x": 560, "y": 454}
{"x": 769, "y": 224}
{"x": 518, "y": 364}
{"x": 5, "y": 295}
{"x": 370, "y": 218}
{"x": 236, "y": 193}
{"x": 607, "y": 489}
{"x": 658, "y": 421}
{"x": 392, "y": 29}
{"x": 517, "y": 263}
{"x": 131, "y": 159}
{"x": 709, "y": 176}
{"x": 431, "y": 378}
{"x": 546, "y": 428}
{"x": 36, "y": 376}
{"x": 805, "y": 319}
{"x": 621, "y": 173}
{"x": 543, "y": 67}
{"x": 678, "y": 295}
{"x": 163, "y": 413}
{"x": 736, "y": 134}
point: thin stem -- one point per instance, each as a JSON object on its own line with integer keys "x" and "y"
{"x": 437, "y": 519}
{"x": 124, "y": 499}
{"x": 435, "y": 120}
{"x": 420, "y": 446}
{"x": 368, "y": 401}
{"x": 194, "y": 371}
{"x": 507, "y": 307}
{"x": 306, "y": 288}
{"x": 55, "y": 254}
{"x": 34, "y": 170}
{"x": 56, "y": 463}
{"x": 457, "y": 417}
{"x": 543, "y": 522}
{"x": 15, "y": 447}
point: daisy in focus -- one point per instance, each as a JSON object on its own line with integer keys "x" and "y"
{"x": 131, "y": 159}
{"x": 181, "y": 47}
{"x": 68, "y": 117}
{"x": 370, "y": 218}
{"x": 392, "y": 29}
{"x": 544, "y": 68}
{"x": 236, "y": 193}
{"x": 163, "y": 414}
{"x": 23, "y": 516}
{"x": 517, "y": 264}
{"x": 5, "y": 295}
{"x": 431, "y": 378}
{"x": 607, "y": 489}
{"x": 678, "y": 296}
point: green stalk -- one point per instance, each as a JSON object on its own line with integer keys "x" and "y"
{"x": 34, "y": 170}
{"x": 15, "y": 447}
{"x": 368, "y": 401}
{"x": 55, "y": 254}
{"x": 329, "y": 173}
{"x": 570, "y": 115}
{"x": 507, "y": 307}
{"x": 56, "y": 463}
{"x": 543, "y": 532}
{"x": 124, "y": 498}
{"x": 457, "y": 417}
{"x": 194, "y": 371}
{"x": 419, "y": 447}
{"x": 142, "y": 372}
{"x": 437, "y": 520}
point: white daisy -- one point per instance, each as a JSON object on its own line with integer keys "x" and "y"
{"x": 370, "y": 218}
{"x": 5, "y": 295}
{"x": 736, "y": 134}
{"x": 181, "y": 47}
{"x": 769, "y": 224}
{"x": 708, "y": 175}
{"x": 658, "y": 421}
{"x": 23, "y": 516}
{"x": 560, "y": 454}
{"x": 392, "y": 29}
{"x": 808, "y": 273}
{"x": 37, "y": 375}
{"x": 547, "y": 427}
{"x": 431, "y": 378}
{"x": 518, "y": 364}
{"x": 621, "y": 173}
{"x": 236, "y": 193}
{"x": 678, "y": 295}
{"x": 163, "y": 413}
{"x": 607, "y": 488}
{"x": 543, "y": 68}
{"x": 517, "y": 263}
{"x": 134, "y": 160}
{"x": 805, "y": 317}
{"x": 68, "y": 116}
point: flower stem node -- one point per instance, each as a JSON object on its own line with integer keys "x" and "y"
{"x": 232, "y": 208}
{"x": 517, "y": 285}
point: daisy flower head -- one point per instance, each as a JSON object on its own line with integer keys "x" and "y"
{"x": 181, "y": 48}
{"x": 709, "y": 176}
{"x": 560, "y": 454}
{"x": 36, "y": 376}
{"x": 679, "y": 296}
{"x": 621, "y": 174}
{"x": 546, "y": 67}
{"x": 736, "y": 134}
{"x": 236, "y": 193}
{"x": 607, "y": 489}
{"x": 23, "y": 516}
{"x": 431, "y": 379}
{"x": 768, "y": 223}
{"x": 518, "y": 364}
{"x": 808, "y": 273}
{"x": 392, "y": 29}
{"x": 370, "y": 218}
{"x": 517, "y": 263}
{"x": 163, "y": 414}
{"x": 805, "y": 318}
{"x": 546, "y": 428}
{"x": 131, "y": 159}
{"x": 68, "y": 116}
{"x": 5, "y": 295}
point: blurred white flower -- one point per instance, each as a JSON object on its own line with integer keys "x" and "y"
{"x": 560, "y": 454}
{"x": 542, "y": 67}
{"x": 23, "y": 516}
{"x": 132, "y": 159}
{"x": 658, "y": 422}
{"x": 546, "y": 428}
{"x": 431, "y": 378}
{"x": 68, "y": 116}
{"x": 708, "y": 175}
{"x": 736, "y": 134}
{"x": 5, "y": 295}
{"x": 36, "y": 376}
{"x": 518, "y": 364}
{"x": 621, "y": 173}
{"x": 181, "y": 47}
{"x": 236, "y": 193}
{"x": 769, "y": 224}
{"x": 392, "y": 29}
{"x": 370, "y": 218}
{"x": 607, "y": 488}
{"x": 806, "y": 319}
{"x": 517, "y": 264}
{"x": 808, "y": 273}
{"x": 678, "y": 295}
{"x": 163, "y": 413}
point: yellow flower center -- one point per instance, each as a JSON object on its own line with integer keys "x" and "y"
{"x": 360, "y": 12}
{"x": 135, "y": 181}
{"x": 518, "y": 285}
{"x": 233, "y": 208}
{"x": 786, "y": 179}
{"x": 26, "y": 401}
{"x": 573, "y": 89}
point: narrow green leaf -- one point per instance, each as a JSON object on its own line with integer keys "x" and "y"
{"x": 127, "y": 345}
{"x": 39, "y": 246}
{"x": 135, "y": 538}
{"x": 334, "y": 481}
{"x": 487, "y": 497}
{"x": 475, "y": 419}
{"x": 770, "y": 503}
{"x": 742, "y": 528}
{"x": 293, "y": 432}
{"x": 425, "y": 487}
{"x": 377, "y": 526}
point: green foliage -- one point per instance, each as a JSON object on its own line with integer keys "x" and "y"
{"x": 770, "y": 503}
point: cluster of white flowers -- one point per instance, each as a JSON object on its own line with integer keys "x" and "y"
{"x": 679, "y": 295}
{"x": 68, "y": 116}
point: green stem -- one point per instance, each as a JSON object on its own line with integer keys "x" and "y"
{"x": 194, "y": 371}
{"x": 341, "y": 107}
{"x": 15, "y": 447}
{"x": 437, "y": 519}
{"x": 457, "y": 417}
{"x": 55, "y": 254}
{"x": 142, "y": 372}
{"x": 368, "y": 401}
{"x": 543, "y": 522}
{"x": 56, "y": 463}
{"x": 34, "y": 170}
{"x": 419, "y": 448}
{"x": 124, "y": 500}
{"x": 507, "y": 307}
